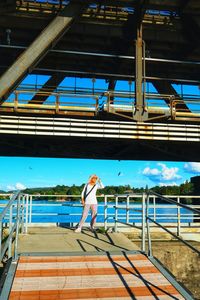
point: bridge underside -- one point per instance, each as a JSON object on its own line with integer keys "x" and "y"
{"x": 98, "y": 148}
{"x": 136, "y": 41}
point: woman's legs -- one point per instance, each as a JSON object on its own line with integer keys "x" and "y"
{"x": 84, "y": 215}
{"x": 94, "y": 215}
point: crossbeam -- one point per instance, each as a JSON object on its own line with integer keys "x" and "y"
{"x": 38, "y": 48}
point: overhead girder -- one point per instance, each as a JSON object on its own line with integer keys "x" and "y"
{"x": 40, "y": 46}
{"x": 73, "y": 147}
{"x": 158, "y": 38}
{"x": 191, "y": 30}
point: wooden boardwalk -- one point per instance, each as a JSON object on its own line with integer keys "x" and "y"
{"x": 102, "y": 276}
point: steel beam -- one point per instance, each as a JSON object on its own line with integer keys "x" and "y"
{"x": 86, "y": 138}
{"x": 165, "y": 87}
{"x": 39, "y": 47}
{"x": 111, "y": 87}
{"x": 140, "y": 113}
{"x": 49, "y": 86}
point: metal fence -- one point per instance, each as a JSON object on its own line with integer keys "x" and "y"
{"x": 12, "y": 219}
{"x": 141, "y": 211}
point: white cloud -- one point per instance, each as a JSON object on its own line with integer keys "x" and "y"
{"x": 17, "y": 186}
{"x": 20, "y": 186}
{"x": 168, "y": 184}
{"x": 163, "y": 174}
{"x": 192, "y": 167}
{"x": 10, "y": 187}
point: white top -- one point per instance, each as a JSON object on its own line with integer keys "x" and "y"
{"x": 91, "y": 198}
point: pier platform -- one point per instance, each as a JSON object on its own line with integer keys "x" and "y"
{"x": 56, "y": 263}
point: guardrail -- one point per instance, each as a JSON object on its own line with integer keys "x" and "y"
{"x": 159, "y": 105}
{"x": 148, "y": 219}
{"x": 115, "y": 211}
{"x": 78, "y": 100}
{"x": 12, "y": 218}
{"x": 54, "y": 103}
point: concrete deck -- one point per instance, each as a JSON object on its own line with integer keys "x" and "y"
{"x": 58, "y": 239}
{"x": 57, "y": 263}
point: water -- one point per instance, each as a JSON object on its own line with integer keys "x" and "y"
{"x": 70, "y": 212}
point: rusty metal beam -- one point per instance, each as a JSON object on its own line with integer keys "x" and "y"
{"x": 140, "y": 9}
{"x": 50, "y": 86}
{"x": 111, "y": 87}
{"x": 165, "y": 87}
{"x": 39, "y": 48}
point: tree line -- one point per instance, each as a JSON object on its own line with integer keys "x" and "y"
{"x": 183, "y": 189}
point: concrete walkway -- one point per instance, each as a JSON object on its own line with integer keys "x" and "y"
{"x": 57, "y": 263}
{"x": 58, "y": 239}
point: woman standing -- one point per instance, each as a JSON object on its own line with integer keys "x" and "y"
{"x": 89, "y": 201}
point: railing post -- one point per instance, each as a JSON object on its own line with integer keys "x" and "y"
{"x": 105, "y": 212}
{"x": 26, "y": 216}
{"x": 154, "y": 208}
{"x": 22, "y": 216}
{"x": 116, "y": 212}
{"x": 108, "y": 101}
{"x": 148, "y": 227}
{"x": 30, "y": 209}
{"x": 10, "y": 228}
{"x": 127, "y": 208}
{"x": 143, "y": 223}
{"x": 57, "y": 103}
{"x": 178, "y": 218}
{"x": 96, "y": 105}
{"x": 17, "y": 227}
{"x": 16, "y": 100}
{"x": 1, "y": 233}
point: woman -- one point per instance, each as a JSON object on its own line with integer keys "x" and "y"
{"x": 89, "y": 201}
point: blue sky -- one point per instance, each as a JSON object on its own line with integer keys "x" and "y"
{"x": 24, "y": 172}
{"x": 41, "y": 172}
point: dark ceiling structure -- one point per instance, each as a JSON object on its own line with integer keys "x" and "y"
{"x": 102, "y": 39}
{"x": 101, "y": 42}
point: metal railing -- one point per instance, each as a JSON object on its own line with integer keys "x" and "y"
{"x": 30, "y": 98}
{"x": 115, "y": 211}
{"x": 56, "y": 102}
{"x": 11, "y": 218}
{"x": 161, "y": 105}
{"x": 148, "y": 219}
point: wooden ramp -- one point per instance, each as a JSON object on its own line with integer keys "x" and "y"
{"x": 102, "y": 276}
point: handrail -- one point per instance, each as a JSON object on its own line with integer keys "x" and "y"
{"x": 142, "y": 217}
{"x": 14, "y": 220}
{"x": 172, "y": 201}
{"x": 174, "y": 235}
{"x": 13, "y": 198}
{"x": 150, "y": 192}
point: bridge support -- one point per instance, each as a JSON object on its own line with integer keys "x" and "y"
{"x": 39, "y": 47}
{"x": 140, "y": 113}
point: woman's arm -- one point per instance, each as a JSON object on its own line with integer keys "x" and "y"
{"x": 82, "y": 195}
{"x": 100, "y": 184}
